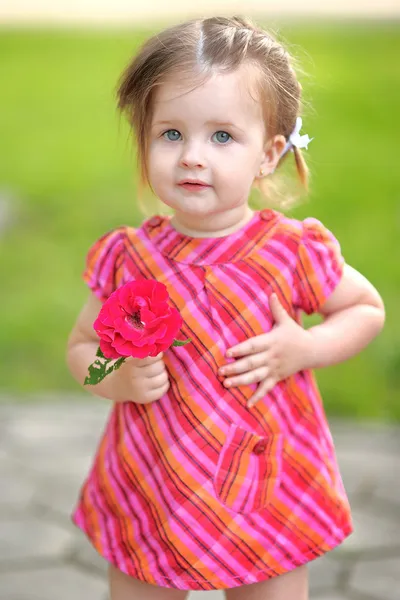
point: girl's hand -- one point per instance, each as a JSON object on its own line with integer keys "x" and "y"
{"x": 141, "y": 380}
{"x": 270, "y": 357}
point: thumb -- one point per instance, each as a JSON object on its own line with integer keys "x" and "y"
{"x": 279, "y": 314}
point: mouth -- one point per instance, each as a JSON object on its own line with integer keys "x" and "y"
{"x": 193, "y": 185}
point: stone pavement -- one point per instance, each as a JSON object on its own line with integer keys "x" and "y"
{"x": 46, "y": 448}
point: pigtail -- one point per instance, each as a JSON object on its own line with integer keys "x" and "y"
{"x": 301, "y": 166}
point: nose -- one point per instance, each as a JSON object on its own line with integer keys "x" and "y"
{"x": 192, "y": 156}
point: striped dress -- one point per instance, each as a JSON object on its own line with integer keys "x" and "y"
{"x": 196, "y": 491}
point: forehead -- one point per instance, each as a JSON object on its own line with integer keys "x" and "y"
{"x": 221, "y": 97}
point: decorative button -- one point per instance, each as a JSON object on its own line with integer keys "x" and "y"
{"x": 260, "y": 447}
{"x": 266, "y": 214}
{"x": 154, "y": 221}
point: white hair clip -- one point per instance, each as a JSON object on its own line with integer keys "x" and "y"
{"x": 295, "y": 139}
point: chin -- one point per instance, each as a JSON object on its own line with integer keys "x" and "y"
{"x": 195, "y": 209}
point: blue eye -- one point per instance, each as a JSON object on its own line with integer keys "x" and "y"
{"x": 172, "y": 135}
{"x": 221, "y": 137}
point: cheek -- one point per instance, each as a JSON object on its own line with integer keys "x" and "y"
{"x": 159, "y": 162}
{"x": 227, "y": 162}
{"x": 239, "y": 171}
{"x": 240, "y": 161}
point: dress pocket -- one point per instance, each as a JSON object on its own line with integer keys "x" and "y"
{"x": 248, "y": 469}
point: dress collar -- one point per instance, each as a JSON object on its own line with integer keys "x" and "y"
{"x": 200, "y": 251}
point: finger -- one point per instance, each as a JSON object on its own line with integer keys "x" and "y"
{"x": 247, "y": 378}
{"x": 263, "y": 389}
{"x": 150, "y": 360}
{"x": 157, "y": 393}
{"x": 153, "y": 369}
{"x": 279, "y": 314}
{"x": 255, "y": 344}
{"x": 250, "y": 362}
{"x": 159, "y": 381}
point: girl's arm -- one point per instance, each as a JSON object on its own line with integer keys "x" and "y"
{"x": 82, "y": 346}
{"x": 353, "y": 316}
{"x": 138, "y": 380}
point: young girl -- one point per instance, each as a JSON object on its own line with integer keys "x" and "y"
{"x": 193, "y": 486}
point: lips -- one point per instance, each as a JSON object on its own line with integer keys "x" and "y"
{"x": 193, "y": 185}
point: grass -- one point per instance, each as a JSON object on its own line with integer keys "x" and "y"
{"x": 65, "y": 161}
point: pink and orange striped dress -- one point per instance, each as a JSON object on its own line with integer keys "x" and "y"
{"x": 196, "y": 491}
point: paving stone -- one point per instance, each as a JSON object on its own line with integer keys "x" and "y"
{"x": 60, "y": 583}
{"x": 63, "y": 458}
{"x": 355, "y": 472}
{"x": 210, "y": 595}
{"x": 387, "y": 482}
{"x": 55, "y": 461}
{"x": 53, "y": 426}
{"x": 73, "y": 413}
{"x": 54, "y": 439}
{"x": 359, "y": 459}
{"x": 332, "y": 596}
{"x": 324, "y": 574}
{"x": 378, "y": 465}
{"x": 17, "y": 488}
{"x": 372, "y": 534}
{"x": 33, "y": 422}
{"x": 60, "y": 493}
{"x": 379, "y": 578}
{"x": 29, "y": 537}
{"x": 86, "y": 555}
{"x": 367, "y": 476}
{"x": 365, "y": 436}
{"x": 388, "y": 492}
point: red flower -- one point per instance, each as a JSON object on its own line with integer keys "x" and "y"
{"x": 136, "y": 320}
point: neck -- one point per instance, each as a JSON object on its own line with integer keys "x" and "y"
{"x": 216, "y": 225}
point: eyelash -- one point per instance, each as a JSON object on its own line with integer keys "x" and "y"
{"x": 219, "y": 131}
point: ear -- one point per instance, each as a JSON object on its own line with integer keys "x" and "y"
{"x": 272, "y": 152}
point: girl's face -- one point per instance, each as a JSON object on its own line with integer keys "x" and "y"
{"x": 206, "y": 147}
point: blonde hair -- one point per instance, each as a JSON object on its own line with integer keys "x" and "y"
{"x": 200, "y": 47}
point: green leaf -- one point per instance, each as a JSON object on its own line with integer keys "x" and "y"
{"x": 108, "y": 371}
{"x": 118, "y": 363}
{"x": 181, "y": 342}
{"x": 100, "y": 353}
{"x": 97, "y": 371}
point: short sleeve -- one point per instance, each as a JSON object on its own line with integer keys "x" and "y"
{"x": 319, "y": 266}
{"x": 104, "y": 262}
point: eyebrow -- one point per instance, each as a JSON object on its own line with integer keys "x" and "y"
{"x": 224, "y": 124}
{"x": 219, "y": 123}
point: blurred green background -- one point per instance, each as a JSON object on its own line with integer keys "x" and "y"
{"x": 67, "y": 172}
